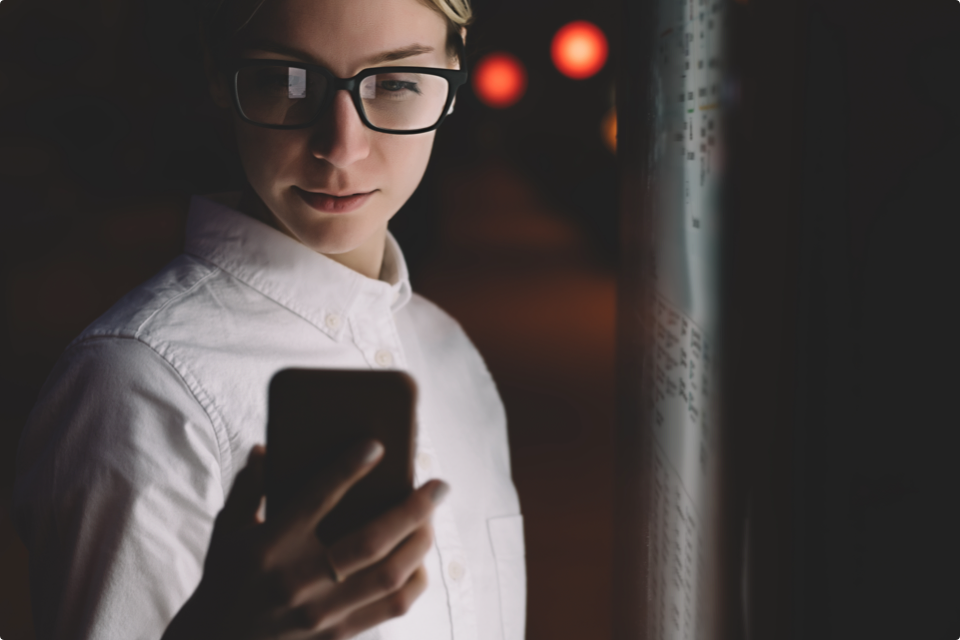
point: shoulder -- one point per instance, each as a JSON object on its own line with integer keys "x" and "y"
{"x": 109, "y": 384}
{"x": 113, "y": 405}
{"x": 440, "y": 333}
{"x": 433, "y": 322}
{"x": 445, "y": 346}
{"x": 105, "y": 364}
{"x": 128, "y": 363}
{"x": 180, "y": 282}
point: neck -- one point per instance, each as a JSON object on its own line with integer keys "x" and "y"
{"x": 251, "y": 204}
{"x": 367, "y": 259}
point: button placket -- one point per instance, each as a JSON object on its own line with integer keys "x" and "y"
{"x": 378, "y": 340}
{"x": 424, "y": 462}
{"x": 373, "y": 326}
{"x": 384, "y": 358}
{"x": 456, "y": 570}
{"x": 456, "y": 574}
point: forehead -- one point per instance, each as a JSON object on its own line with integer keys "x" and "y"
{"x": 342, "y": 34}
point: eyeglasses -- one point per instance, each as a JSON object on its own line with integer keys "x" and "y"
{"x": 281, "y": 94}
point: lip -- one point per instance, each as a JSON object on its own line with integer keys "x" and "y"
{"x": 329, "y": 203}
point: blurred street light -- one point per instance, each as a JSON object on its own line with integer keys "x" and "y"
{"x": 579, "y": 49}
{"x": 499, "y": 80}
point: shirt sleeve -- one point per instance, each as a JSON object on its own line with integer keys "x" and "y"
{"x": 118, "y": 485}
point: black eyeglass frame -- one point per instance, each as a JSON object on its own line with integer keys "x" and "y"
{"x": 454, "y": 77}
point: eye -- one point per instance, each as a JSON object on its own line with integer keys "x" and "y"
{"x": 395, "y": 86}
{"x": 273, "y": 80}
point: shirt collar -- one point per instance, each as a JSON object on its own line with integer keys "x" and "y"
{"x": 315, "y": 287}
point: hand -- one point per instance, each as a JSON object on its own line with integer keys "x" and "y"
{"x": 277, "y": 580}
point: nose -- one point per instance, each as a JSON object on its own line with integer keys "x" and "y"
{"x": 341, "y": 138}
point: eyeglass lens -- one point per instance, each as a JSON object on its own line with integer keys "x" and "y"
{"x": 278, "y": 95}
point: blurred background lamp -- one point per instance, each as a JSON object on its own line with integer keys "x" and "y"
{"x": 579, "y": 49}
{"x": 608, "y": 129}
{"x": 499, "y": 80}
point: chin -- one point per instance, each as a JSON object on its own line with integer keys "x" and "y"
{"x": 337, "y": 236}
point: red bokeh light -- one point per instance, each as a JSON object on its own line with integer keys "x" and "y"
{"x": 499, "y": 79}
{"x": 579, "y": 49}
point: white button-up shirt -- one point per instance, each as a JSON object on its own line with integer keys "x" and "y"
{"x": 150, "y": 413}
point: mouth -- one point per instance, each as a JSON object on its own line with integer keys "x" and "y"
{"x": 330, "y": 203}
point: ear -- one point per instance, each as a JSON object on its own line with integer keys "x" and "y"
{"x": 216, "y": 82}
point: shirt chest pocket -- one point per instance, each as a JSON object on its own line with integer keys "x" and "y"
{"x": 506, "y": 537}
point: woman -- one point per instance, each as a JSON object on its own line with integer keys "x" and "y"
{"x": 139, "y": 474}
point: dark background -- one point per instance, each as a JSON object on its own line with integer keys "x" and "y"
{"x": 876, "y": 512}
{"x": 105, "y": 132}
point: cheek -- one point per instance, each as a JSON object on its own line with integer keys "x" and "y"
{"x": 264, "y": 153}
{"x": 406, "y": 158}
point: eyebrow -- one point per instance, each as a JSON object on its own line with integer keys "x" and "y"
{"x": 384, "y": 56}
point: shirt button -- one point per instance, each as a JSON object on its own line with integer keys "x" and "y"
{"x": 384, "y": 358}
{"x": 424, "y": 462}
{"x": 333, "y": 321}
{"x": 456, "y": 570}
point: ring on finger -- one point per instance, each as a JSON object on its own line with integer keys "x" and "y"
{"x": 333, "y": 570}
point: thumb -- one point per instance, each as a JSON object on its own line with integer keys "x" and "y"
{"x": 243, "y": 502}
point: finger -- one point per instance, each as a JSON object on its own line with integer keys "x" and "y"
{"x": 326, "y": 490}
{"x": 377, "y": 539}
{"x": 368, "y": 585}
{"x": 308, "y": 593}
{"x": 395, "y": 605}
{"x": 301, "y": 579}
{"x": 389, "y": 575}
{"x": 243, "y": 501}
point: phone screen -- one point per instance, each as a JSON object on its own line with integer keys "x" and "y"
{"x": 315, "y": 415}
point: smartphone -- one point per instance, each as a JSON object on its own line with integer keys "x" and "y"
{"x": 314, "y": 415}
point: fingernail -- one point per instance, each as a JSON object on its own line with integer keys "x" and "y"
{"x": 372, "y": 451}
{"x": 440, "y": 492}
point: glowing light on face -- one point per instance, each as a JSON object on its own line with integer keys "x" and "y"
{"x": 579, "y": 49}
{"x": 499, "y": 80}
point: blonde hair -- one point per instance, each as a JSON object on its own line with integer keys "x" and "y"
{"x": 222, "y": 20}
{"x": 458, "y": 12}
